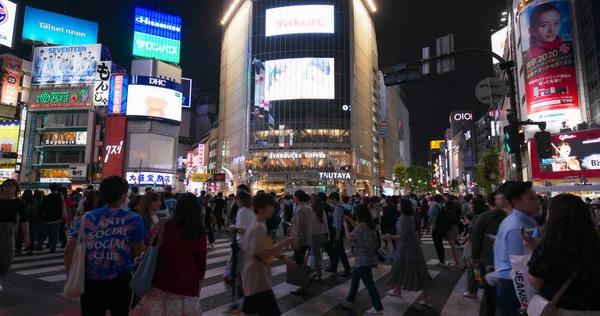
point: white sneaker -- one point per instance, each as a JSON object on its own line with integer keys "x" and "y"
{"x": 423, "y": 303}
{"x": 373, "y": 312}
{"x": 451, "y": 264}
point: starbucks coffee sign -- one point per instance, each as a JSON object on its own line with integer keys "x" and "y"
{"x": 297, "y": 155}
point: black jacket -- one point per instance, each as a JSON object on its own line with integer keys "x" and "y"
{"x": 51, "y": 209}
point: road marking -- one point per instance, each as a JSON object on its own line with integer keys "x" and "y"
{"x": 457, "y": 305}
{"x": 398, "y": 305}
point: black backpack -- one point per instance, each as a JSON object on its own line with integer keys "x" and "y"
{"x": 288, "y": 212}
{"x": 444, "y": 219}
{"x": 273, "y": 222}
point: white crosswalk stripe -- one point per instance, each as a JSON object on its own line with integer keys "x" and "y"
{"x": 50, "y": 268}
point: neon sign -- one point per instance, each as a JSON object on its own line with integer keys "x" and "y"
{"x": 53, "y": 99}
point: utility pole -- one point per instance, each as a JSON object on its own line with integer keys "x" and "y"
{"x": 410, "y": 72}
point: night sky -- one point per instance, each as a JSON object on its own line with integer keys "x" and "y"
{"x": 403, "y": 28}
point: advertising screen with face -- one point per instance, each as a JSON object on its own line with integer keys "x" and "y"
{"x": 574, "y": 154}
{"x": 300, "y": 19}
{"x": 154, "y": 102}
{"x": 299, "y": 78}
{"x": 549, "y": 61}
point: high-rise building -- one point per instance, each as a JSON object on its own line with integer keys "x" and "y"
{"x": 311, "y": 118}
{"x": 589, "y": 24}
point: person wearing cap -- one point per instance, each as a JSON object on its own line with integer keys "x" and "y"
{"x": 339, "y": 252}
{"x": 509, "y": 242}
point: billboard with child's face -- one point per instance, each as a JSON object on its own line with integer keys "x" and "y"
{"x": 549, "y": 61}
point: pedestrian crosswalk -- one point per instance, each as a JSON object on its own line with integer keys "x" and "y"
{"x": 323, "y": 297}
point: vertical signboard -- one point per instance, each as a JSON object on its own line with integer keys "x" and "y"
{"x": 12, "y": 79}
{"x": 30, "y": 142}
{"x": 8, "y": 13}
{"x": 117, "y": 95}
{"x": 549, "y": 61}
{"x": 103, "y": 71}
{"x": 113, "y": 146}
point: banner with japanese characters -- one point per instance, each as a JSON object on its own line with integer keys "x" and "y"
{"x": 101, "y": 91}
{"x": 548, "y": 49}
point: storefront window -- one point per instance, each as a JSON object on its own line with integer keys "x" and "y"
{"x": 76, "y": 156}
{"x": 64, "y": 138}
{"x": 54, "y": 173}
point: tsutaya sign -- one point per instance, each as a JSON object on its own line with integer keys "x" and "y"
{"x": 297, "y": 155}
{"x": 334, "y": 175}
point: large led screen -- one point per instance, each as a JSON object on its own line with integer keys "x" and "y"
{"x": 300, "y": 19}
{"x": 576, "y": 153}
{"x": 58, "y": 29}
{"x": 299, "y": 78}
{"x": 154, "y": 102}
{"x": 157, "y": 35}
{"x": 8, "y": 13}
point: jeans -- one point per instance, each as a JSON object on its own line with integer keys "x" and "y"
{"x": 114, "y": 294}
{"x": 366, "y": 275}
{"x": 438, "y": 243}
{"x": 339, "y": 254}
{"x": 317, "y": 243}
{"x": 507, "y": 298}
{"x": 51, "y": 231}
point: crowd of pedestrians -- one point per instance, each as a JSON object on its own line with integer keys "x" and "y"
{"x": 119, "y": 224}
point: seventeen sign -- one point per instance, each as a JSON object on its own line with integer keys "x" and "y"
{"x": 65, "y": 64}
{"x": 300, "y": 19}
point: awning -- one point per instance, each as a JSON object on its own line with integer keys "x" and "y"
{"x": 569, "y": 188}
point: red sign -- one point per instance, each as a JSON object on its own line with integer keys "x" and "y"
{"x": 575, "y": 154}
{"x": 201, "y": 155}
{"x": 113, "y": 146}
{"x": 12, "y": 80}
{"x": 118, "y": 94}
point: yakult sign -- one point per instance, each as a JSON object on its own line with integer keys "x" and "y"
{"x": 300, "y": 19}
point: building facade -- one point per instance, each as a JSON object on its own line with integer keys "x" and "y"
{"x": 312, "y": 118}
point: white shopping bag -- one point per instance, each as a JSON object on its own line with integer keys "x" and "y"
{"x": 519, "y": 275}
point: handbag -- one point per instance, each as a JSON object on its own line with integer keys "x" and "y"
{"x": 539, "y": 306}
{"x": 142, "y": 278}
{"x": 75, "y": 285}
{"x": 298, "y": 275}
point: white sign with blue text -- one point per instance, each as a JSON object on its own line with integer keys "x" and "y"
{"x": 144, "y": 177}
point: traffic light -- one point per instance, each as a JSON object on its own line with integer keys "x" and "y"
{"x": 512, "y": 139}
{"x": 346, "y": 168}
{"x": 543, "y": 144}
{"x": 324, "y": 188}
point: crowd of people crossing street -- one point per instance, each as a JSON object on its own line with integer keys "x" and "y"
{"x": 129, "y": 253}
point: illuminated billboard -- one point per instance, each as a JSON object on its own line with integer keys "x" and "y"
{"x": 299, "y": 78}
{"x": 11, "y": 81}
{"x": 9, "y": 138}
{"x": 113, "y": 146}
{"x": 117, "y": 95}
{"x": 499, "y": 42}
{"x": 8, "y": 13}
{"x": 300, "y": 19}
{"x": 60, "y": 98}
{"x": 576, "y": 153}
{"x": 549, "y": 60}
{"x": 58, "y": 29}
{"x": 186, "y": 92}
{"x": 65, "y": 64}
{"x": 155, "y": 98}
{"x": 435, "y": 144}
{"x": 157, "y": 35}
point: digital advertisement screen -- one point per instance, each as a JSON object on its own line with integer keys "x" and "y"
{"x": 499, "y": 42}
{"x": 12, "y": 80}
{"x": 8, "y": 13}
{"x": 154, "y": 102}
{"x": 299, "y": 78}
{"x": 58, "y": 29}
{"x": 574, "y": 154}
{"x": 65, "y": 64}
{"x": 157, "y": 35}
{"x": 549, "y": 58}
{"x": 186, "y": 92}
{"x": 300, "y": 19}
{"x": 9, "y": 138}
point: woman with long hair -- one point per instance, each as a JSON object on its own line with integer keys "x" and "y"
{"x": 11, "y": 208}
{"x": 149, "y": 205}
{"x": 568, "y": 248}
{"x": 89, "y": 202}
{"x": 208, "y": 211}
{"x": 32, "y": 212}
{"x": 365, "y": 257}
{"x": 320, "y": 235}
{"x": 409, "y": 270}
{"x": 180, "y": 265}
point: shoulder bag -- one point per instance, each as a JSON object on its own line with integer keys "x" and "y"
{"x": 142, "y": 278}
{"x": 539, "y": 306}
{"x": 75, "y": 285}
